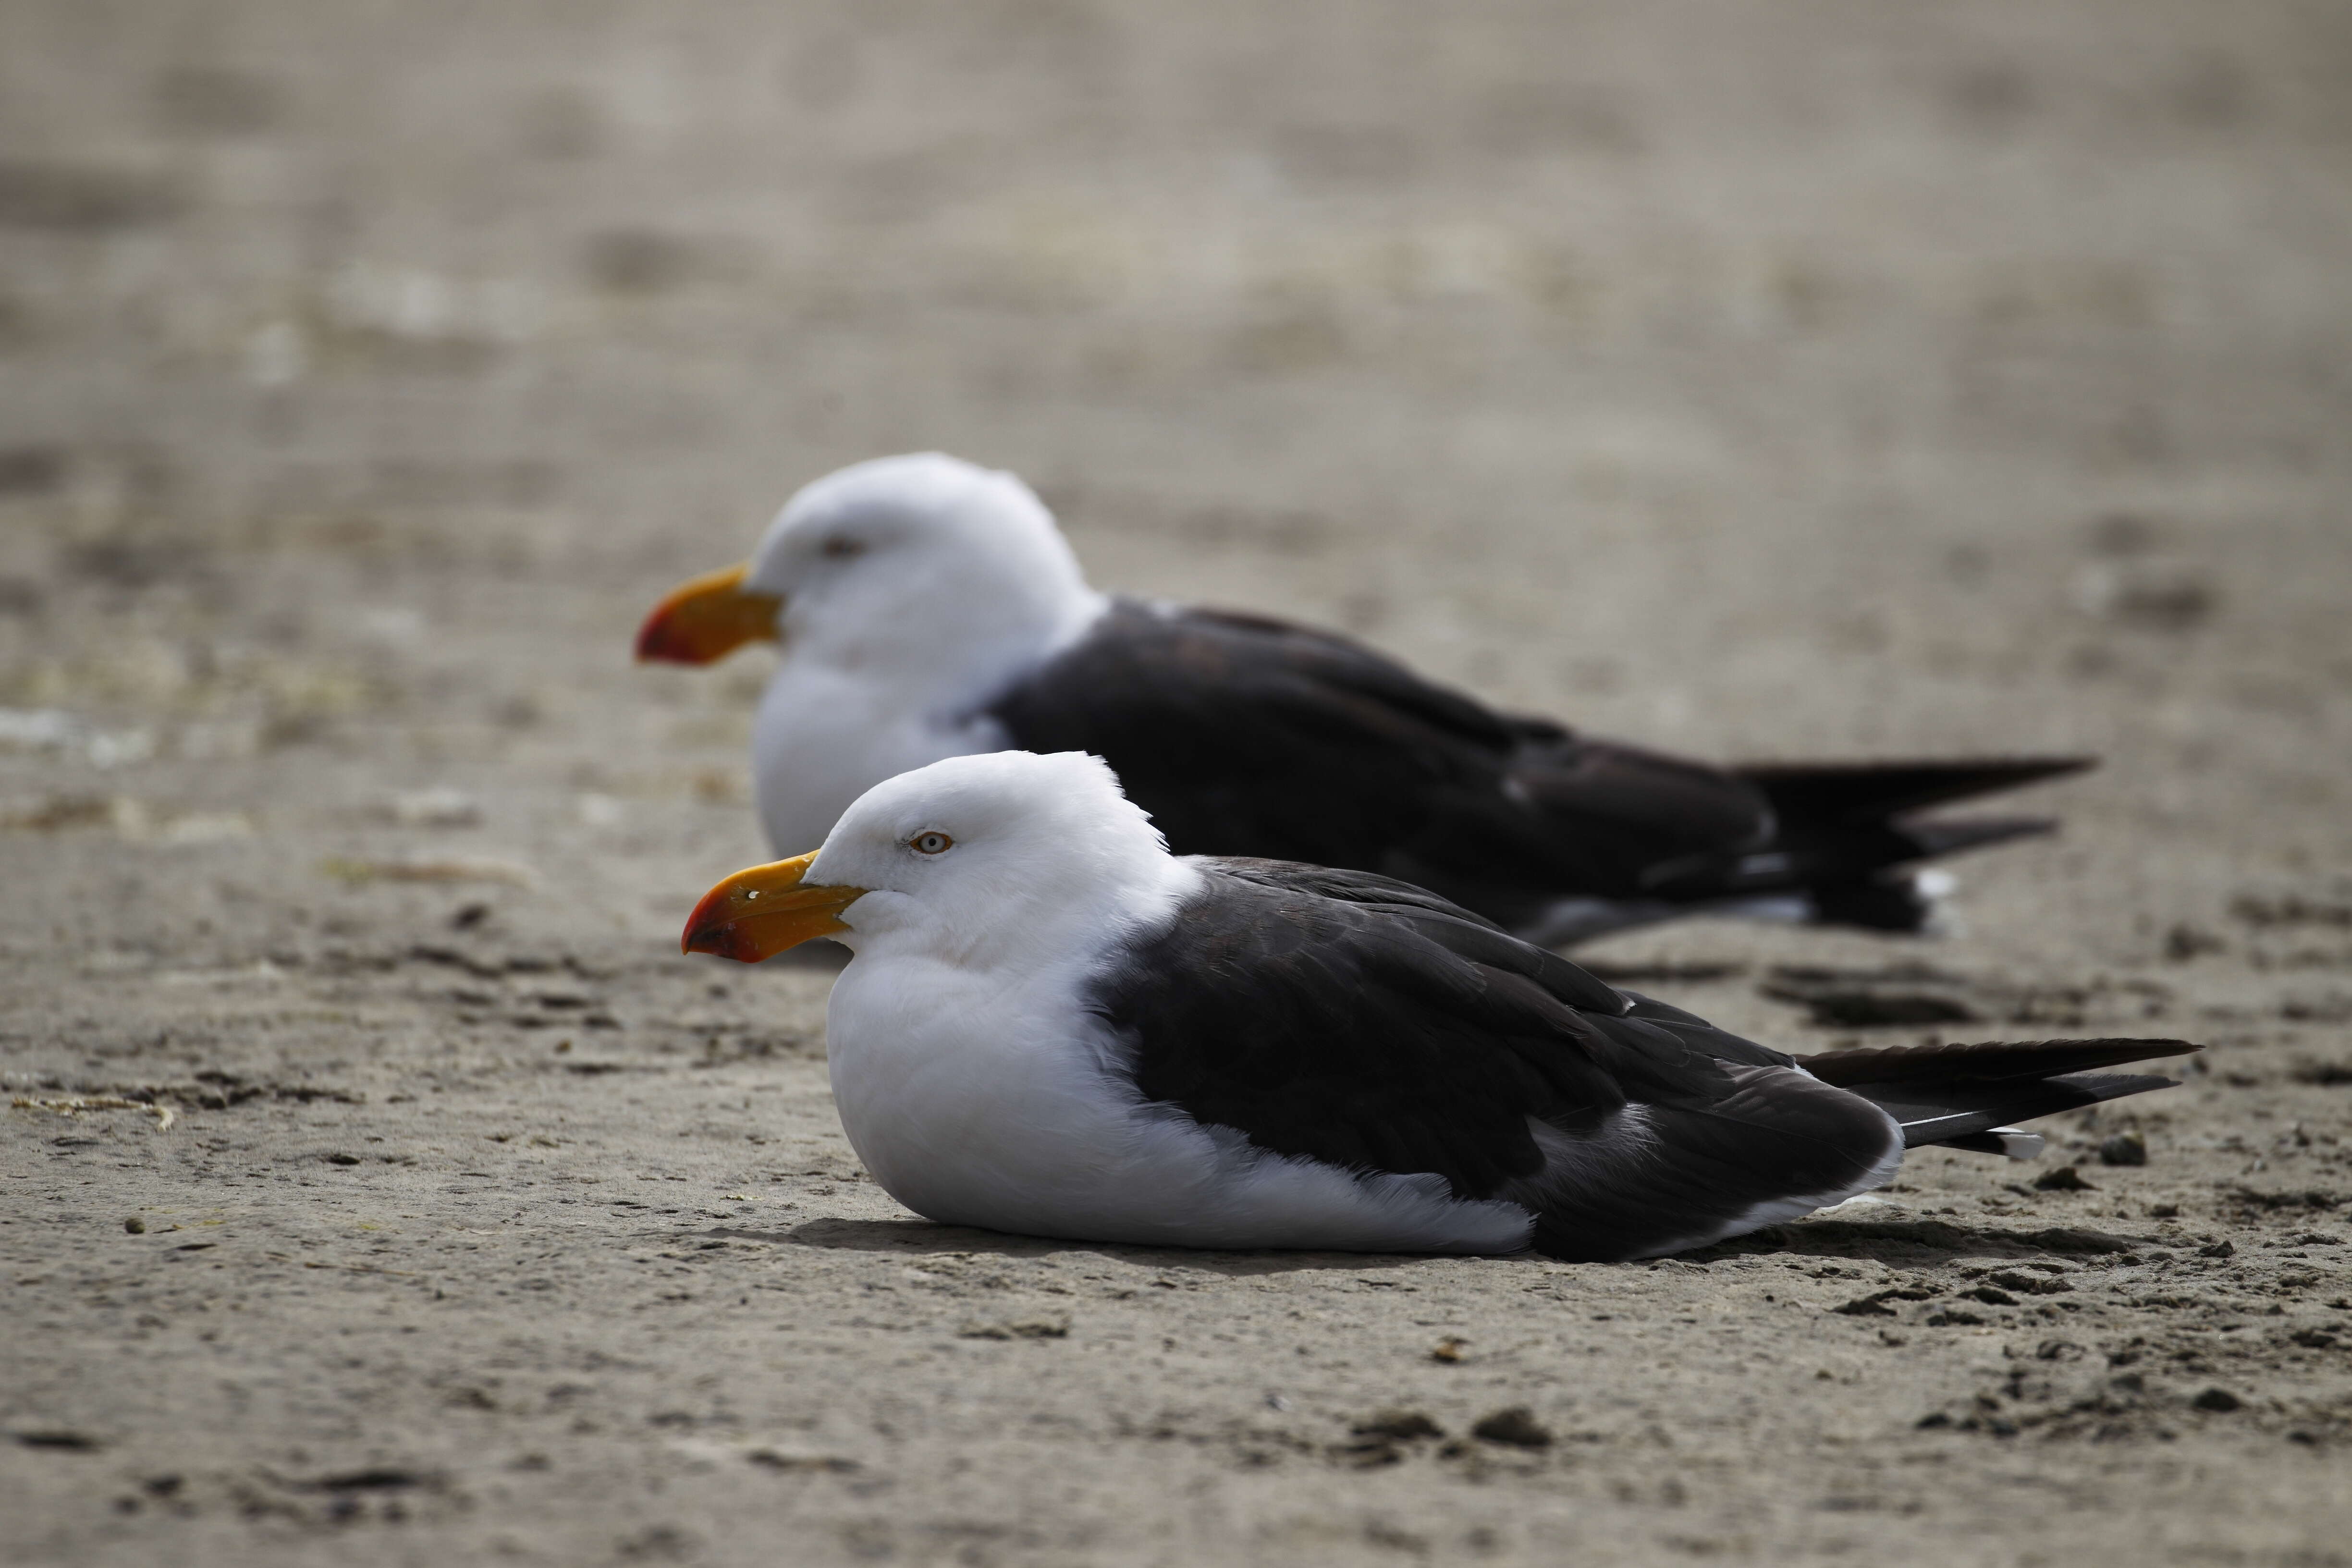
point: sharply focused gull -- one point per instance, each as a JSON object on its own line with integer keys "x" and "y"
{"x": 1050, "y": 1024}
{"x": 929, "y": 608}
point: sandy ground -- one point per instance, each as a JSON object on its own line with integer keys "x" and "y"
{"x": 1767, "y": 381}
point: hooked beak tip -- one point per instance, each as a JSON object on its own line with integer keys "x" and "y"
{"x": 716, "y": 940}
{"x": 765, "y": 910}
{"x": 658, "y": 642}
{"x": 705, "y": 619}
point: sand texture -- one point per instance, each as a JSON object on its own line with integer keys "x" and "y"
{"x": 378, "y": 1185}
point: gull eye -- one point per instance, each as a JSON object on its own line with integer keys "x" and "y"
{"x": 932, "y": 843}
{"x": 840, "y": 549}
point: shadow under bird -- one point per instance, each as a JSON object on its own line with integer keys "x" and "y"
{"x": 1050, "y": 1024}
{"x": 929, "y": 608}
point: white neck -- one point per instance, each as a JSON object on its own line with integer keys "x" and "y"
{"x": 937, "y": 648}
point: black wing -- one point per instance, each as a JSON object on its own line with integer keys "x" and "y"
{"x": 1369, "y": 1024}
{"x": 1249, "y": 736}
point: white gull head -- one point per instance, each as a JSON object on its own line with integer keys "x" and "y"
{"x": 914, "y": 588}
{"x": 918, "y": 567}
{"x": 1003, "y": 860}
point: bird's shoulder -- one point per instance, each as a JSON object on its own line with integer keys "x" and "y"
{"x": 1404, "y": 926}
{"x": 1222, "y": 664}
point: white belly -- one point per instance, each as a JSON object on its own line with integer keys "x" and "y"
{"x": 821, "y": 740}
{"x": 1007, "y": 1108}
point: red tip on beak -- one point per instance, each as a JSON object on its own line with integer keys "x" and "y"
{"x": 759, "y": 912}
{"x": 704, "y": 620}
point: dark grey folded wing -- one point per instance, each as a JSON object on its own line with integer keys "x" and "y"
{"x": 1248, "y": 736}
{"x": 1366, "y": 1023}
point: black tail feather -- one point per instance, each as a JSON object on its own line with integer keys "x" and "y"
{"x": 1963, "y": 1111}
{"x": 1939, "y": 837}
{"x": 1987, "y": 1061}
{"x": 1852, "y": 793}
{"x": 1848, "y": 832}
{"x": 1957, "y": 1094}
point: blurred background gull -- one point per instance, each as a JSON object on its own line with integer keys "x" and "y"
{"x": 1825, "y": 378}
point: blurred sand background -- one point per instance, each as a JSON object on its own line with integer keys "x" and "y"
{"x": 1817, "y": 379}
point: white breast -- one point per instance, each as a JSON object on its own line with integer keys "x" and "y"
{"x": 1008, "y": 1106}
{"x": 824, "y": 737}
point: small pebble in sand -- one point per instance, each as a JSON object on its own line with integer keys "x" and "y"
{"x": 2124, "y": 1149}
{"x": 434, "y": 808}
{"x": 1516, "y": 1427}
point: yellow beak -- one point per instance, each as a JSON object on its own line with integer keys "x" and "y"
{"x": 708, "y": 618}
{"x": 758, "y": 913}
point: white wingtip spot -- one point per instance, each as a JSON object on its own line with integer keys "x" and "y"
{"x": 2019, "y": 1144}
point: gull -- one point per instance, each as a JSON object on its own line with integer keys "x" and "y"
{"x": 1050, "y": 1024}
{"x": 929, "y": 608}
